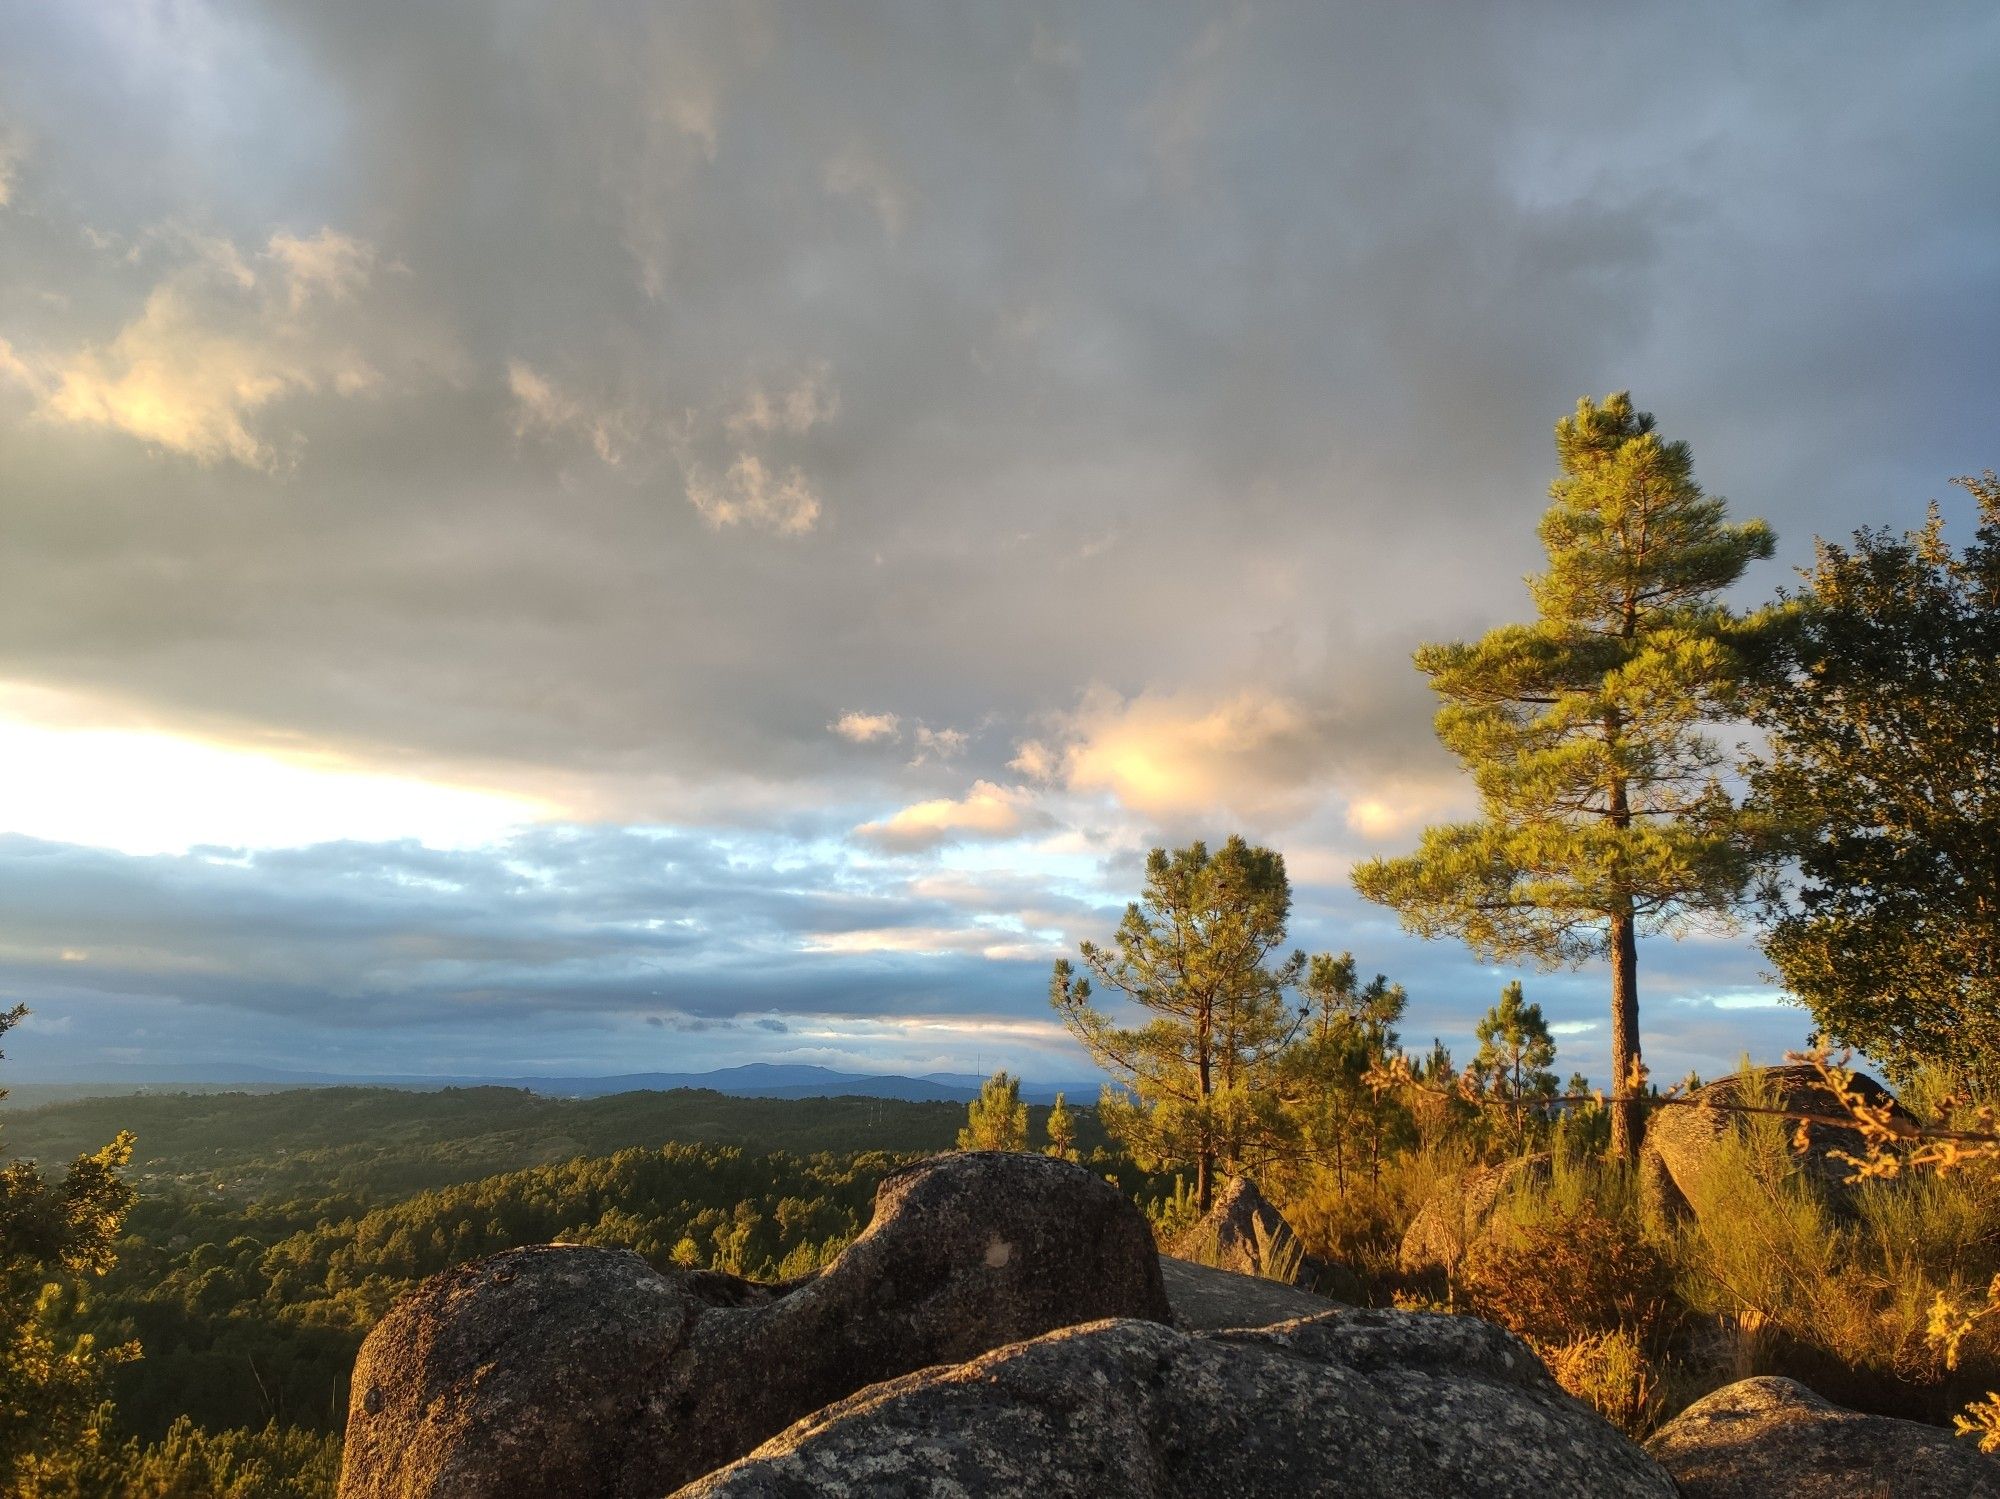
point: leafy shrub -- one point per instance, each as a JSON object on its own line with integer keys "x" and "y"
{"x": 1573, "y": 1274}
{"x": 1611, "y": 1372}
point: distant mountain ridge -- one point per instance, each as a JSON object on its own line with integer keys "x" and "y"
{"x": 750, "y": 1080}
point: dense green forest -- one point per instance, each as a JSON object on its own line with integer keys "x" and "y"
{"x": 366, "y": 1145}
{"x": 271, "y": 1230}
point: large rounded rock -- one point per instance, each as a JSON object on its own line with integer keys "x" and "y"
{"x": 1759, "y": 1438}
{"x": 565, "y": 1370}
{"x": 1360, "y": 1404}
{"x": 1460, "y": 1213}
{"x": 1682, "y": 1137}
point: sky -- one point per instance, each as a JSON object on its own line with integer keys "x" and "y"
{"x": 609, "y": 537}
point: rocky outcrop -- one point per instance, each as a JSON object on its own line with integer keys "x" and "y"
{"x": 1361, "y": 1404}
{"x": 1681, "y": 1138}
{"x": 1242, "y": 1232}
{"x": 565, "y": 1370}
{"x": 1205, "y": 1299}
{"x": 1759, "y": 1438}
{"x": 1459, "y": 1214}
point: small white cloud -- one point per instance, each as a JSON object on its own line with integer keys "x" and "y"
{"x": 1395, "y": 807}
{"x": 1739, "y": 999}
{"x": 997, "y": 944}
{"x": 1035, "y": 760}
{"x": 865, "y": 728}
{"x": 329, "y": 264}
{"x": 938, "y": 744}
{"x": 985, "y": 812}
{"x": 751, "y": 494}
{"x": 808, "y": 403}
{"x": 541, "y": 407}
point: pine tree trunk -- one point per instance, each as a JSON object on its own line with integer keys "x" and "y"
{"x": 1204, "y": 1166}
{"x": 1628, "y": 1122}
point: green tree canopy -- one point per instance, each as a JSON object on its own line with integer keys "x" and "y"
{"x": 1062, "y": 1131}
{"x": 1602, "y": 813}
{"x": 1882, "y": 718}
{"x": 1515, "y": 1054}
{"x": 1198, "y": 952}
{"x": 55, "y": 1237}
{"x": 996, "y": 1119}
{"x": 1341, "y": 1121}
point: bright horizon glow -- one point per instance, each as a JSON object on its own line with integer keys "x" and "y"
{"x": 148, "y": 791}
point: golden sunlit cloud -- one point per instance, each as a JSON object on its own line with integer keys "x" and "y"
{"x": 1166, "y": 754}
{"x": 981, "y": 941}
{"x": 1398, "y": 808}
{"x": 865, "y": 728}
{"x": 220, "y": 337}
{"x": 750, "y": 493}
{"x": 986, "y": 811}
{"x": 144, "y": 791}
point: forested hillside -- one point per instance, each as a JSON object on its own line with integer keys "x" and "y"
{"x": 271, "y": 1230}
{"x": 372, "y": 1144}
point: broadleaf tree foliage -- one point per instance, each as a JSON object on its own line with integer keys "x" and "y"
{"x": 1603, "y": 815}
{"x": 1882, "y": 775}
{"x": 1198, "y": 951}
{"x": 56, "y": 1236}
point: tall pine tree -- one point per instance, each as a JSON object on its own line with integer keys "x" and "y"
{"x": 1196, "y": 952}
{"x": 1602, "y": 813}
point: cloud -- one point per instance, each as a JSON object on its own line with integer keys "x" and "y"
{"x": 1395, "y": 807}
{"x": 216, "y": 342}
{"x": 750, "y": 494}
{"x": 808, "y": 403}
{"x": 328, "y": 264}
{"x": 937, "y": 745}
{"x": 985, "y": 812}
{"x": 855, "y": 172}
{"x": 992, "y": 943}
{"x": 1175, "y": 753}
{"x": 13, "y": 149}
{"x": 542, "y": 408}
{"x": 865, "y": 728}
{"x": 1217, "y": 367}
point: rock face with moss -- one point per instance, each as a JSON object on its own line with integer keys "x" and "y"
{"x": 1682, "y": 1139}
{"x": 1360, "y": 1404}
{"x": 566, "y": 1370}
{"x": 1765, "y": 1437}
